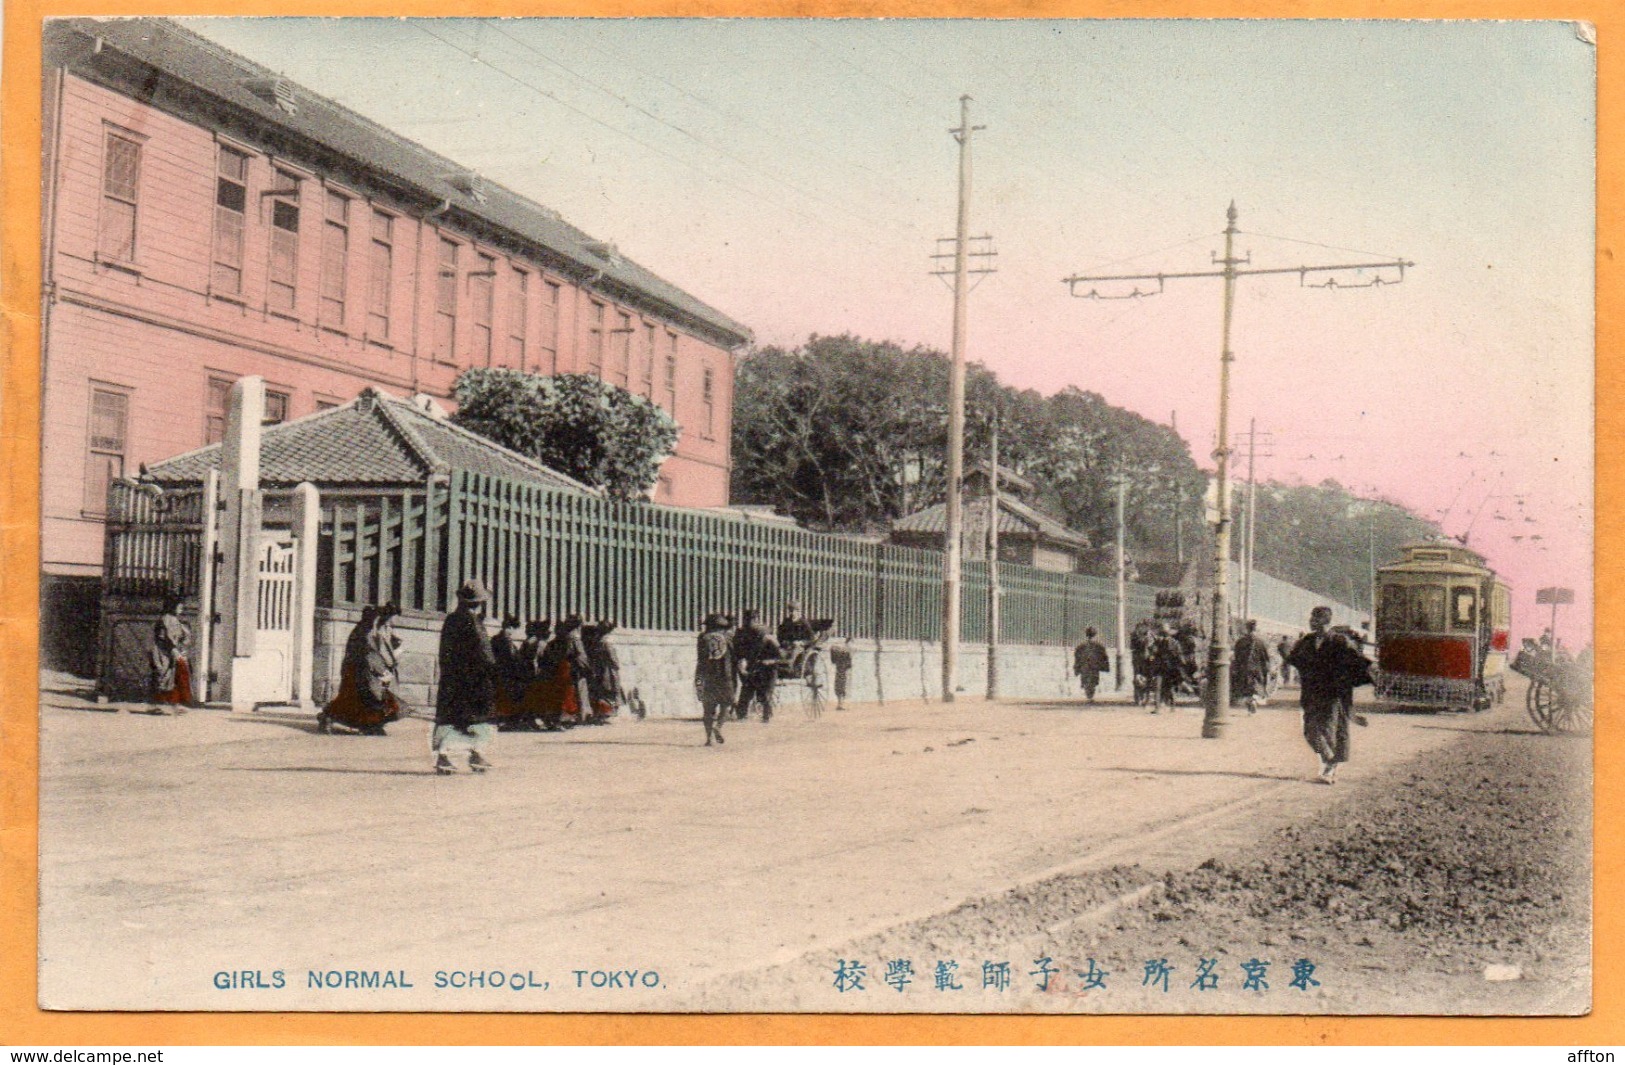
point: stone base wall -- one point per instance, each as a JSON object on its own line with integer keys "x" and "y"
{"x": 660, "y": 665}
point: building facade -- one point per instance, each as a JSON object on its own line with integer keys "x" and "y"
{"x": 205, "y": 219}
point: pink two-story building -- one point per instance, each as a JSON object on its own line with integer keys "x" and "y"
{"x": 206, "y": 219}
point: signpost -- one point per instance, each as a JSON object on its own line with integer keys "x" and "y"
{"x": 1556, "y": 597}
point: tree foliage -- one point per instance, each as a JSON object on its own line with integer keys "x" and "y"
{"x": 601, "y": 435}
{"x": 850, "y": 434}
{"x": 1325, "y": 538}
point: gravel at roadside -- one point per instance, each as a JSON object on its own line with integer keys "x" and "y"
{"x": 1457, "y": 882}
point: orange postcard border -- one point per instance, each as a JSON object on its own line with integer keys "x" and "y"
{"x": 22, "y": 1023}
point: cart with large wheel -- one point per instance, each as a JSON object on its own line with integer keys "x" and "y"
{"x": 1559, "y": 698}
{"x": 805, "y": 670}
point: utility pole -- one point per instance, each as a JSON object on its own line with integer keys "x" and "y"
{"x": 1122, "y": 576}
{"x": 1218, "y": 693}
{"x": 1179, "y": 508}
{"x": 956, "y": 418}
{"x": 1247, "y": 558}
{"x": 993, "y": 566}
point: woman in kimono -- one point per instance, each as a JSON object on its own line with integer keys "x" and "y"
{"x": 561, "y": 677}
{"x": 366, "y": 700}
{"x": 171, "y": 677}
{"x": 603, "y": 671}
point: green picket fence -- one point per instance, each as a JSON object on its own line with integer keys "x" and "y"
{"x": 545, "y": 553}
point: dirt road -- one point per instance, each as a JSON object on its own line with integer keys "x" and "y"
{"x": 175, "y": 850}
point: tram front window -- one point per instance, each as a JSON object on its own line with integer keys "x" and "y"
{"x": 1463, "y": 608}
{"x": 1392, "y": 618}
{"x": 1427, "y": 608}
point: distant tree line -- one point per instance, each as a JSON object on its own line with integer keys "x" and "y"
{"x": 846, "y": 434}
{"x": 1325, "y": 538}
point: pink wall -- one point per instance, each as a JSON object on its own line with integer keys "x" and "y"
{"x": 156, "y": 329}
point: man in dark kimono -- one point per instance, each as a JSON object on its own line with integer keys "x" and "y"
{"x": 1167, "y": 668}
{"x": 466, "y": 699}
{"x": 1250, "y": 668}
{"x": 1089, "y": 661}
{"x": 714, "y": 676}
{"x": 747, "y": 647}
{"x": 1328, "y": 667}
{"x": 1139, "y": 648}
{"x": 758, "y": 655}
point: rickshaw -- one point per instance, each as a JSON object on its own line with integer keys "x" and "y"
{"x": 1442, "y": 628}
{"x": 806, "y": 670}
{"x": 1559, "y": 698}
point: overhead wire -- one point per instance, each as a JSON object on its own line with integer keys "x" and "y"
{"x": 663, "y": 153}
{"x": 744, "y": 120}
{"x": 697, "y": 139}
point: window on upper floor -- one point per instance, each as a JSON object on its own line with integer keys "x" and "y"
{"x": 549, "y": 355}
{"x": 671, "y": 374}
{"x": 282, "y": 285}
{"x": 445, "y": 302}
{"x": 708, "y": 400}
{"x": 595, "y": 338}
{"x": 109, "y": 429}
{"x": 518, "y": 319}
{"x": 623, "y": 349}
{"x": 380, "y": 275}
{"x": 649, "y": 357}
{"x": 230, "y": 211}
{"x": 335, "y": 258}
{"x": 482, "y": 294}
{"x": 121, "y": 192}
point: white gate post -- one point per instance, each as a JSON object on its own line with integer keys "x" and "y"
{"x": 237, "y": 589}
{"x": 307, "y": 512}
{"x": 204, "y": 650}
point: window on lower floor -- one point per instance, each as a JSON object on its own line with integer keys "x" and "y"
{"x": 215, "y": 406}
{"x": 276, "y": 408}
{"x": 109, "y": 430}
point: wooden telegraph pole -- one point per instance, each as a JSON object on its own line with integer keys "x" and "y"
{"x": 952, "y": 547}
{"x": 1218, "y": 692}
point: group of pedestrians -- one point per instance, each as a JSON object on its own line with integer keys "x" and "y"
{"x": 1329, "y": 664}
{"x": 539, "y": 677}
{"x": 1163, "y": 658}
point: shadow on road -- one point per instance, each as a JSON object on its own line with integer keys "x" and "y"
{"x": 1194, "y": 773}
{"x": 327, "y": 769}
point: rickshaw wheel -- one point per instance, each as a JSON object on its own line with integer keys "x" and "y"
{"x": 1571, "y": 715}
{"x": 814, "y": 698}
{"x": 1542, "y": 702}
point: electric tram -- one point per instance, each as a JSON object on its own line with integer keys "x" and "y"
{"x": 1443, "y": 620}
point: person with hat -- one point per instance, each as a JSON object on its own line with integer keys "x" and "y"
{"x": 1328, "y": 666}
{"x": 715, "y": 676}
{"x": 466, "y": 699}
{"x": 366, "y": 700}
{"x": 1089, "y": 661}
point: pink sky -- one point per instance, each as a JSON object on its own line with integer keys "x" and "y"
{"x": 796, "y": 174}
